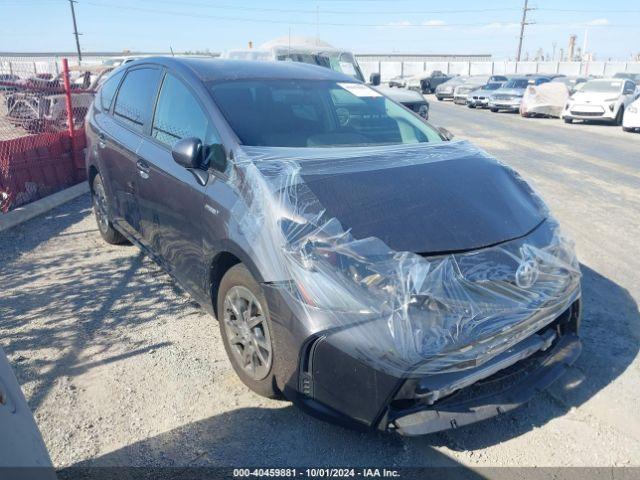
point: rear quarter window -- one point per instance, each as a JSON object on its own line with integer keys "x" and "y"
{"x": 134, "y": 103}
{"x": 108, "y": 90}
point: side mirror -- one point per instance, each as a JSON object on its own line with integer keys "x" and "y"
{"x": 374, "y": 79}
{"x": 187, "y": 152}
{"x": 446, "y": 134}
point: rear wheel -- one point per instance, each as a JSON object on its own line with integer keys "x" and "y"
{"x": 628, "y": 129}
{"x": 245, "y": 327}
{"x": 568, "y": 120}
{"x": 439, "y": 98}
{"x": 101, "y": 211}
{"x": 494, "y": 110}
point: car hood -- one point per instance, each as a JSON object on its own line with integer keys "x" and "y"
{"x": 510, "y": 91}
{"x": 400, "y": 95}
{"x": 427, "y": 199}
{"x": 594, "y": 97}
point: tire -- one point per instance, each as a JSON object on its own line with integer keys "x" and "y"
{"x": 471, "y": 105}
{"x": 494, "y": 110}
{"x": 239, "y": 288}
{"x": 568, "y": 120}
{"x": 439, "y": 98}
{"x": 101, "y": 211}
{"x": 618, "y": 120}
{"x": 628, "y": 129}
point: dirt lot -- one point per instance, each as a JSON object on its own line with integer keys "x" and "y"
{"x": 122, "y": 368}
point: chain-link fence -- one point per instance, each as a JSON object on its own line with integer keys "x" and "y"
{"x": 42, "y": 110}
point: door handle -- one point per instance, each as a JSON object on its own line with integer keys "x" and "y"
{"x": 143, "y": 168}
{"x": 101, "y": 141}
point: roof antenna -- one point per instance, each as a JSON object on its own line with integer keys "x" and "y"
{"x": 289, "y": 40}
{"x": 172, "y": 54}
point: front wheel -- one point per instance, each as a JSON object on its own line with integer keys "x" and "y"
{"x": 101, "y": 211}
{"x": 568, "y": 120}
{"x": 627, "y": 129}
{"x": 494, "y": 110}
{"x": 246, "y": 331}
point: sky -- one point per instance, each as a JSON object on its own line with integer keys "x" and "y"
{"x": 362, "y": 26}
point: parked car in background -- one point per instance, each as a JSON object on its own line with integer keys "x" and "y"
{"x": 399, "y": 81}
{"x": 634, "y": 77}
{"x": 572, "y": 82}
{"x": 547, "y": 99}
{"x": 8, "y": 82}
{"x": 462, "y": 91}
{"x": 631, "y": 119}
{"x": 509, "y": 96}
{"x": 317, "y": 52}
{"x": 427, "y": 81}
{"x": 602, "y": 99}
{"x": 479, "y": 98}
{"x": 351, "y": 264}
{"x": 444, "y": 91}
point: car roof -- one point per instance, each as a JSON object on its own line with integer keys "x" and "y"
{"x": 215, "y": 69}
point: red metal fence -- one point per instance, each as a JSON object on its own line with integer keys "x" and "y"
{"x": 41, "y": 129}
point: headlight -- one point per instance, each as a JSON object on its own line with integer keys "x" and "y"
{"x": 423, "y": 111}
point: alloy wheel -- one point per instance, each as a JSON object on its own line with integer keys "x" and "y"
{"x": 247, "y": 332}
{"x": 100, "y": 207}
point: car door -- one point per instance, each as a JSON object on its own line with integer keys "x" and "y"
{"x": 629, "y": 93}
{"x": 171, "y": 199}
{"x": 120, "y": 136}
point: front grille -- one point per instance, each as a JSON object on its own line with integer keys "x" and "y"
{"x": 587, "y": 114}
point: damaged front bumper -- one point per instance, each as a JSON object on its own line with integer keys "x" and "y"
{"x": 486, "y": 397}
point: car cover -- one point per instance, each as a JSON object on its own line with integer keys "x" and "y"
{"x": 403, "y": 312}
{"x": 545, "y": 99}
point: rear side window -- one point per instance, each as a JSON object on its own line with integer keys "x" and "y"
{"x": 134, "y": 102}
{"x": 179, "y": 115}
{"x": 108, "y": 90}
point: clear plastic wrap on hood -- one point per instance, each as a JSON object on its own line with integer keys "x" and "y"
{"x": 474, "y": 265}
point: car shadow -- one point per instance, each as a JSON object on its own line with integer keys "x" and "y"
{"x": 266, "y": 437}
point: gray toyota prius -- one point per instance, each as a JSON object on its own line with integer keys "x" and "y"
{"x": 360, "y": 262}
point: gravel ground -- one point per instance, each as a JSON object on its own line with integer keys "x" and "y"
{"x": 121, "y": 368}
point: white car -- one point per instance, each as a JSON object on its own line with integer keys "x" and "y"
{"x": 631, "y": 120}
{"x": 601, "y": 99}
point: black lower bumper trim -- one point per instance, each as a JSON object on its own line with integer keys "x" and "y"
{"x": 451, "y": 414}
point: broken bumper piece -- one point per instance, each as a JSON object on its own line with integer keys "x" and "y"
{"x": 497, "y": 393}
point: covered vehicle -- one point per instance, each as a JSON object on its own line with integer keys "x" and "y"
{"x": 509, "y": 96}
{"x": 317, "y": 52}
{"x": 547, "y": 99}
{"x": 445, "y": 90}
{"x": 374, "y": 273}
{"x": 479, "y": 98}
{"x": 631, "y": 119}
{"x": 601, "y": 99}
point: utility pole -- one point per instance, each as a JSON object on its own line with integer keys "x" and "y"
{"x": 75, "y": 30}
{"x": 525, "y": 9}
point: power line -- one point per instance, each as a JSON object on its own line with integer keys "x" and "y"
{"x": 525, "y": 9}
{"x": 75, "y": 30}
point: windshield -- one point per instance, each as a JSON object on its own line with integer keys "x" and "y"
{"x": 342, "y": 62}
{"x": 312, "y": 113}
{"x": 602, "y": 86}
{"x": 517, "y": 83}
{"x": 492, "y": 86}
